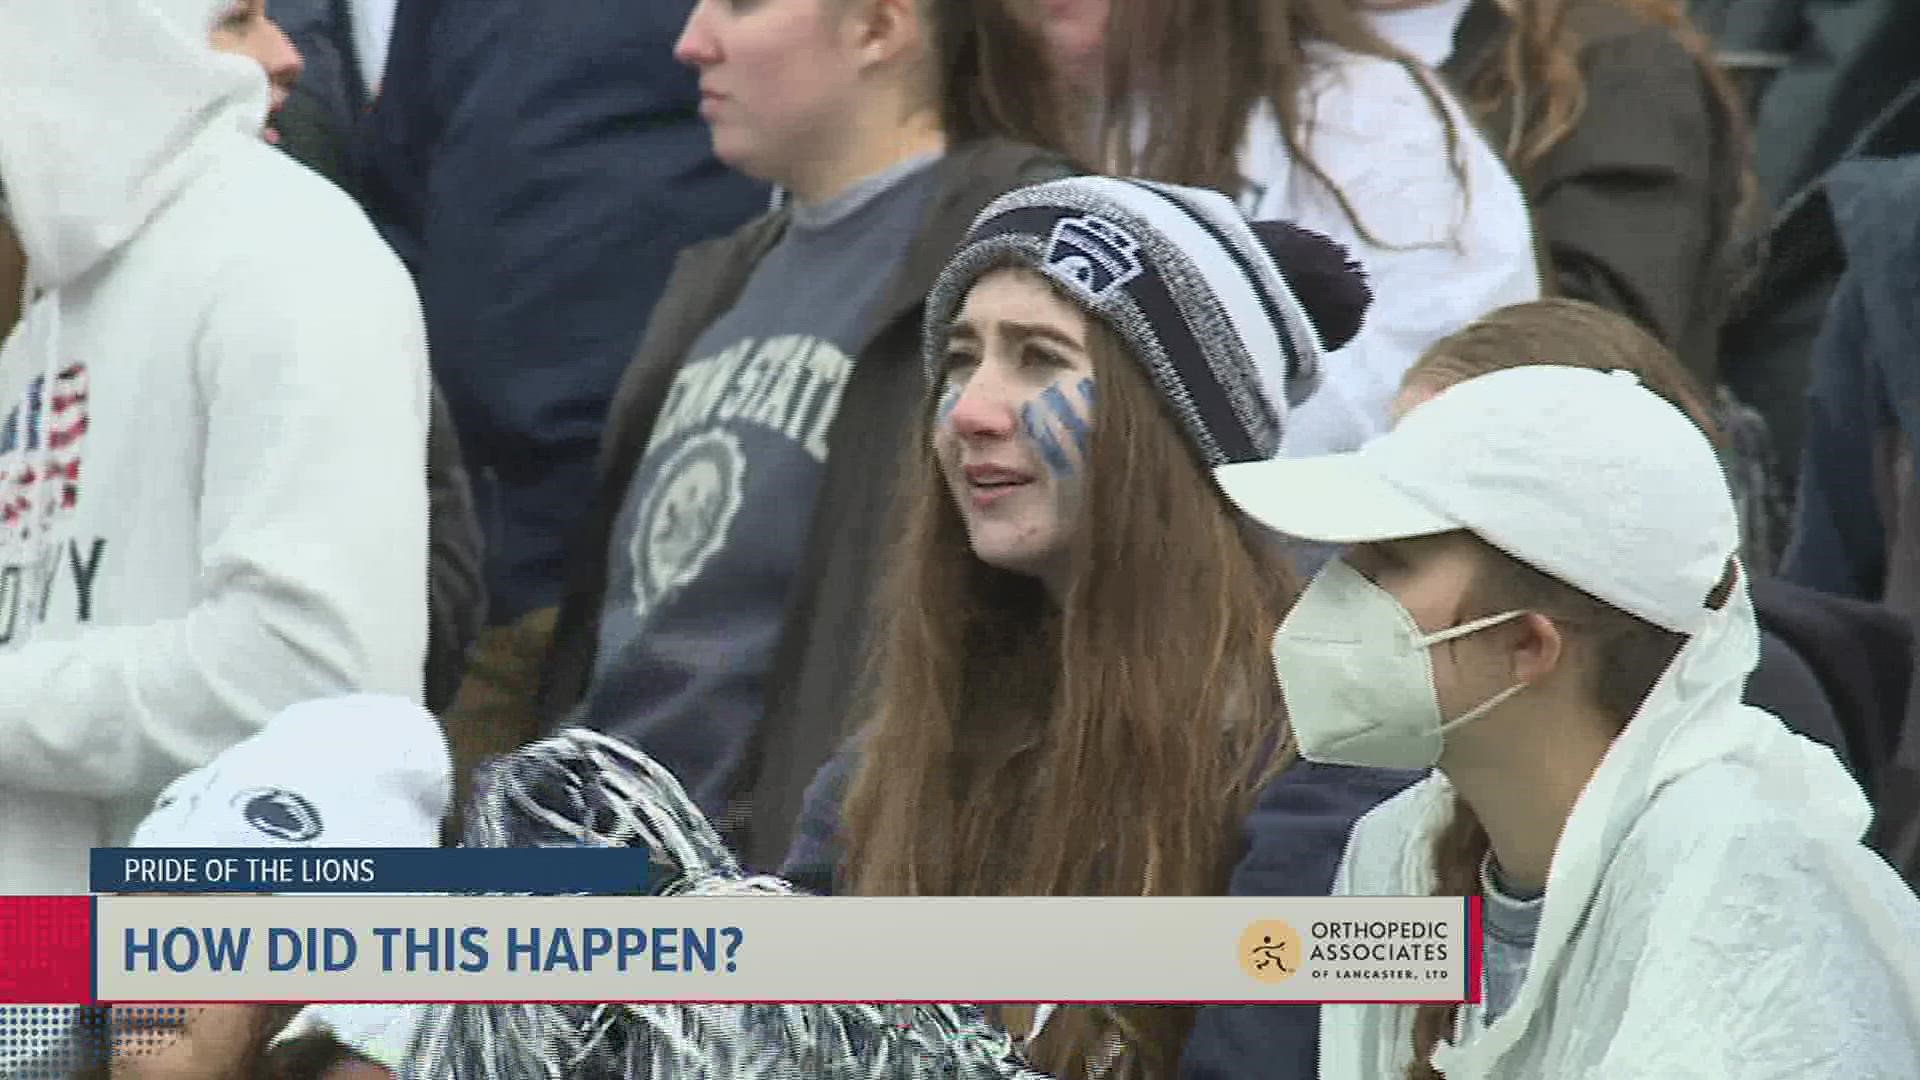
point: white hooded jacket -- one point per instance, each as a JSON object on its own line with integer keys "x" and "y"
{"x": 212, "y": 428}
{"x": 1710, "y": 911}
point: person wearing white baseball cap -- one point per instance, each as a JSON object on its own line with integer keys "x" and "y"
{"x": 1544, "y": 602}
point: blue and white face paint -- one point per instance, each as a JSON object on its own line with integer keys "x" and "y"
{"x": 1058, "y": 421}
{"x": 1014, "y": 422}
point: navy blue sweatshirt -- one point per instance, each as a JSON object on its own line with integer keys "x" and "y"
{"x": 1291, "y": 846}
{"x": 538, "y": 166}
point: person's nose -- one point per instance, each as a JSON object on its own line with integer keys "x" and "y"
{"x": 984, "y": 410}
{"x": 696, "y": 47}
{"x": 282, "y": 60}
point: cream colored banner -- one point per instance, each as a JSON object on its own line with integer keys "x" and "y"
{"x": 420, "y": 948}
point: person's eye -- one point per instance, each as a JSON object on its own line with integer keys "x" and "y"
{"x": 1042, "y": 356}
{"x": 957, "y": 359}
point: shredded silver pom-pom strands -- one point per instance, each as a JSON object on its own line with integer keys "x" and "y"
{"x": 581, "y": 787}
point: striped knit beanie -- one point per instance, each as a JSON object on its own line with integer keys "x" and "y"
{"x": 1202, "y": 297}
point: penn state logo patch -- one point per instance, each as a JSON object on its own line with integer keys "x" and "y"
{"x": 687, "y": 516}
{"x": 1092, "y": 256}
{"x": 281, "y": 814}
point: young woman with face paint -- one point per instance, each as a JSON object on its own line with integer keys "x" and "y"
{"x": 1553, "y": 615}
{"x": 1012, "y": 426}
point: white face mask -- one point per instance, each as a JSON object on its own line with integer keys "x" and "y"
{"x": 1357, "y": 678}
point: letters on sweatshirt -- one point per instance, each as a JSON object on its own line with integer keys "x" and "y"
{"x": 41, "y": 444}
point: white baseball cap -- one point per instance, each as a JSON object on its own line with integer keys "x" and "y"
{"x": 1584, "y": 475}
{"x": 357, "y": 771}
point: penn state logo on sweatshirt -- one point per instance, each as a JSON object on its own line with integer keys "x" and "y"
{"x": 42, "y": 438}
{"x": 781, "y": 391}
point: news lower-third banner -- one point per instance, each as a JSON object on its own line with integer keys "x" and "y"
{"x": 544, "y": 870}
{"x": 383, "y": 948}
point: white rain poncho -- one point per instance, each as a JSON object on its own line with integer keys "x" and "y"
{"x": 1710, "y": 911}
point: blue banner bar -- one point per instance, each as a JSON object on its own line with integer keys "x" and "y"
{"x": 545, "y": 871}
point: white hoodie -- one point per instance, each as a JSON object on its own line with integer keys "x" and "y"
{"x": 1710, "y": 912}
{"x": 212, "y": 429}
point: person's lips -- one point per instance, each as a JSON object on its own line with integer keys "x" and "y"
{"x": 988, "y": 484}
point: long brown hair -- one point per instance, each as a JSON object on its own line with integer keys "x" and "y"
{"x": 1108, "y": 745}
{"x": 1198, "y": 70}
{"x": 1537, "y": 83}
{"x": 1621, "y": 656}
{"x": 1572, "y": 333}
{"x": 995, "y": 77}
{"x": 989, "y": 74}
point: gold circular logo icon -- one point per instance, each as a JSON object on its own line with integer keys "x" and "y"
{"x": 1270, "y": 951}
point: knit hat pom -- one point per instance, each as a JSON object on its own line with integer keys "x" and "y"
{"x": 1325, "y": 277}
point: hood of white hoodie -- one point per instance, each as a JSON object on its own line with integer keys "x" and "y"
{"x": 113, "y": 106}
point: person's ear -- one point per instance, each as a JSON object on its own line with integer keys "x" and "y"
{"x": 1537, "y": 647}
{"x": 883, "y": 30}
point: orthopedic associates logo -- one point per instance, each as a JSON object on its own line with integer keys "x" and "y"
{"x": 1270, "y": 951}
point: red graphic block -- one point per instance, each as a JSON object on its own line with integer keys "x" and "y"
{"x": 46, "y": 950}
